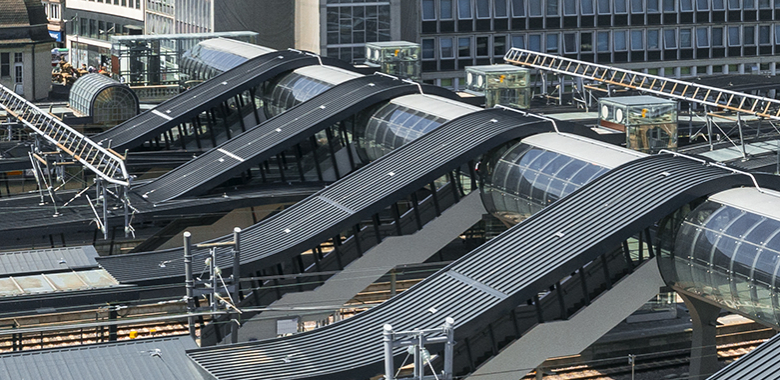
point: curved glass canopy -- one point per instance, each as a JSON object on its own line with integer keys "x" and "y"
{"x": 106, "y": 100}
{"x": 291, "y": 90}
{"x": 524, "y": 179}
{"x": 728, "y": 255}
{"x": 391, "y": 126}
{"x": 214, "y": 56}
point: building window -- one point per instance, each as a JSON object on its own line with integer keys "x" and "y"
{"x": 586, "y": 42}
{"x": 685, "y": 38}
{"x": 570, "y": 7}
{"x": 669, "y": 6}
{"x": 552, "y": 43}
{"x": 499, "y": 7}
{"x": 603, "y": 45}
{"x": 586, "y": 7}
{"x": 518, "y": 8}
{"x": 653, "y": 40}
{"x": 483, "y": 8}
{"x": 703, "y": 5}
{"x": 535, "y": 8}
{"x": 18, "y": 77}
{"x": 718, "y": 5}
{"x": 552, "y": 7}
{"x": 734, "y": 5}
{"x": 619, "y": 37}
{"x": 652, "y": 6}
{"x": 464, "y": 9}
{"x": 5, "y": 64}
{"x": 717, "y": 36}
{"x": 620, "y": 6}
{"x": 670, "y": 39}
{"x": 54, "y": 11}
{"x": 750, "y": 4}
{"x": 445, "y": 45}
{"x": 637, "y": 6}
{"x": 734, "y": 39}
{"x": 535, "y": 42}
{"x": 482, "y": 47}
{"x": 428, "y": 10}
{"x": 701, "y": 38}
{"x": 765, "y": 4}
{"x": 570, "y": 43}
{"x": 499, "y": 45}
{"x": 519, "y": 41}
{"x": 464, "y": 47}
{"x": 764, "y": 35}
{"x": 686, "y": 6}
{"x": 18, "y": 57}
{"x": 637, "y": 40}
{"x": 749, "y": 35}
{"x": 604, "y": 8}
{"x": 445, "y": 9}
{"x": 428, "y": 49}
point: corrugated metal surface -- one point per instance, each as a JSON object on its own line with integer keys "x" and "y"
{"x": 763, "y": 363}
{"x": 351, "y": 199}
{"x": 275, "y": 135}
{"x": 143, "y": 359}
{"x": 489, "y": 281}
{"x": 185, "y": 106}
{"x": 47, "y": 260}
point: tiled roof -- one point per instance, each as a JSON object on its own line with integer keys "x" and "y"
{"x": 21, "y": 13}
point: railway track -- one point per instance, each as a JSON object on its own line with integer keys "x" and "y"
{"x": 618, "y": 367}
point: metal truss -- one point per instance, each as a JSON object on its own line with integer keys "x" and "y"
{"x": 652, "y": 84}
{"x": 105, "y": 163}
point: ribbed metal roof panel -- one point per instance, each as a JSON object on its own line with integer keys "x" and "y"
{"x": 186, "y": 105}
{"x": 142, "y": 359}
{"x": 489, "y": 281}
{"x": 47, "y": 260}
{"x": 763, "y": 363}
{"x": 353, "y": 198}
{"x": 275, "y": 135}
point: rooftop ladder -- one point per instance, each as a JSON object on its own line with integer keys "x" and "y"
{"x": 652, "y": 84}
{"x": 107, "y": 164}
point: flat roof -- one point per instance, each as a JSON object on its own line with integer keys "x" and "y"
{"x": 637, "y": 100}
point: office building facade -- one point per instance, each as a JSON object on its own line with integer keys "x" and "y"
{"x": 672, "y": 38}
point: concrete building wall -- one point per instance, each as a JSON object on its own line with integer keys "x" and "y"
{"x": 35, "y": 69}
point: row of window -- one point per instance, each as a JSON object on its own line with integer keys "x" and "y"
{"x": 5, "y": 66}
{"x": 350, "y": 24}
{"x": 97, "y": 29}
{"x": 160, "y": 6}
{"x": 467, "y": 9}
{"x": 602, "y": 41}
{"x": 193, "y": 16}
{"x": 125, "y": 3}
{"x": 52, "y": 10}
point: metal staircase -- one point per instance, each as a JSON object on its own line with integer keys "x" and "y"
{"x": 107, "y": 164}
{"x": 652, "y": 84}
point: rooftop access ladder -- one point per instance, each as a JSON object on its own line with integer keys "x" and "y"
{"x": 651, "y": 84}
{"x": 105, "y": 163}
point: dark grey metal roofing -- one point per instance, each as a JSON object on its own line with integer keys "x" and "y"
{"x": 763, "y": 363}
{"x": 190, "y": 103}
{"x": 277, "y": 134}
{"x": 490, "y": 281}
{"x": 47, "y": 260}
{"x": 142, "y": 359}
{"x": 354, "y": 197}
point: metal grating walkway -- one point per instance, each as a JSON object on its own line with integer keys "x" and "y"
{"x": 652, "y": 84}
{"x": 183, "y": 107}
{"x": 278, "y": 134}
{"x": 105, "y": 163}
{"x": 488, "y": 282}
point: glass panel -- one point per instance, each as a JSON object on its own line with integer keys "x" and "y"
{"x": 620, "y": 6}
{"x": 445, "y": 8}
{"x": 652, "y": 6}
{"x": 686, "y": 6}
{"x": 620, "y": 40}
{"x": 570, "y": 7}
{"x": 603, "y": 43}
{"x": 685, "y": 38}
{"x": 637, "y": 40}
{"x": 670, "y": 39}
{"x": 33, "y": 284}
{"x": 552, "y": 7}
{"x": 652, "y": 39}
{"x": 518, "y": 8}
{"x": 552, "y": 43}
{"x": 499, "y": 7}
{"x": 734, "y": 39}
{"x": 701, "y": 38}
{"x": 464, "y": 9}
{"x": 446, "y": 48}
{"x": 483, "y": 8}
{"x": 535, "y": 8}
{"x": 428, "y": 10}
{"x": 586, "y": 7}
